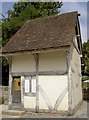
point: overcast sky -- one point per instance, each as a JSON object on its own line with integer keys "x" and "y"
{"x": 81, "y": 7}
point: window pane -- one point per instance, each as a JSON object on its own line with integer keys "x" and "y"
{"x": 33, "y": 85}
{"x": 27, "y": 87}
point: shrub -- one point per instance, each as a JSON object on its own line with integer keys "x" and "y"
{"x": 85, "y": 78}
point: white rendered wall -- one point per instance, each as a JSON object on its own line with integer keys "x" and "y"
{"x": 23, "y": 63}
{"x": 53, "y": 86}
{"x": 76, "y": 78}
{"x": 53, "y": 61}
{"x": 29, "y": 102}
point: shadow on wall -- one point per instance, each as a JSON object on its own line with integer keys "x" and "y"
{"x": 4, "y": 72}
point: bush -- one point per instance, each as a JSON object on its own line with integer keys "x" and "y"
{"x": 85, "y": 78}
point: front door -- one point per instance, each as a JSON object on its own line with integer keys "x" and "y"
{"x": 16, "y": 90}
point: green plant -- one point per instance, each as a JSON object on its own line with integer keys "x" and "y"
{"x": 85, "y": 78}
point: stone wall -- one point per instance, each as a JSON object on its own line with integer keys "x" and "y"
{"x": 3, "y": 94}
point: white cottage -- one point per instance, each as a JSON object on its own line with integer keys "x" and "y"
{"x": 45, "y": 65}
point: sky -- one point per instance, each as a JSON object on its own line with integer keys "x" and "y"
{"x": 81, "y": 7}
{"x": 88, "y": 20}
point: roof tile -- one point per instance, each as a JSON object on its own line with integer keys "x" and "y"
{"x": 54, "y": 31}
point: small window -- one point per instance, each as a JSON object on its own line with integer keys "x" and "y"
{"x": 30, "y": 84}
{"x": 33, "y": 85}
{"x": 27, "y": 84}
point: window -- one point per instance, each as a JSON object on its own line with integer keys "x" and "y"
{"x": 27, "y": 85}
{"x": 30, "y": 84}
{"x": 33, "y": 85}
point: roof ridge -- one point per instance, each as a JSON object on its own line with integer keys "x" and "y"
{"x": 52, "y": 16}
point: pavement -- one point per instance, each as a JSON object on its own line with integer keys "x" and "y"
{"x": 80, "y": 113}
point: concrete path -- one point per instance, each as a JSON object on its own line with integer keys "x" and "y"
{"x": 81, "y": 113}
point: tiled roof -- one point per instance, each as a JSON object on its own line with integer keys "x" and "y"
{"x": 50, "y": 32}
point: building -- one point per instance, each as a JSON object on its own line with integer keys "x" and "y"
{"x": 45, "y": 65}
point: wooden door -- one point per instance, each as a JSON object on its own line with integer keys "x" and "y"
{"x": 16, "y": 90}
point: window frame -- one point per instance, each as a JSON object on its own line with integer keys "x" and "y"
{"x": 30, "y": 93}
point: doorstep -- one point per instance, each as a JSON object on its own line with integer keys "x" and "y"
{"x": 13, "y": 112}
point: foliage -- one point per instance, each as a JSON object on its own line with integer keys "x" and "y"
{"x": 85, "y": 78}
{"x": 23, "y": 11}
{"x": 85, "y": 68}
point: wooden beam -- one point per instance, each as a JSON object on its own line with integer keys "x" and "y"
{"x": 37, "y": 51}
{"x": 79, "y": 35}
{"x": 69, "y": 82}
{"x": 76, "y": 47}
{"x": 78, "y": 27}
{"x": 36, "y": 56}
{"x": 60, "y": 98}
{"x": 53, "y": 72}
{"x": 47, "y": 101}
{"x": 10, "y": 83}
{"x": 23, "y": 73}
{"x": 22, "y": 93}
{"x": 40, "y": 73}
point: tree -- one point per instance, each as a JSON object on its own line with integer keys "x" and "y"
{"x": 23, "y": 11}
{"x": 85, "y": 68}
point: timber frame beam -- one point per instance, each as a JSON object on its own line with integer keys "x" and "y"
{"x": 36, "y": 56}
{"x": 22, "y": 92}
{"x": 10, "y": 83}
{"x": 76, "y": 47}
{"x": 69, "y": 82}
{"x": 40, "y": 73}
{"x": 37, "y": 51}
